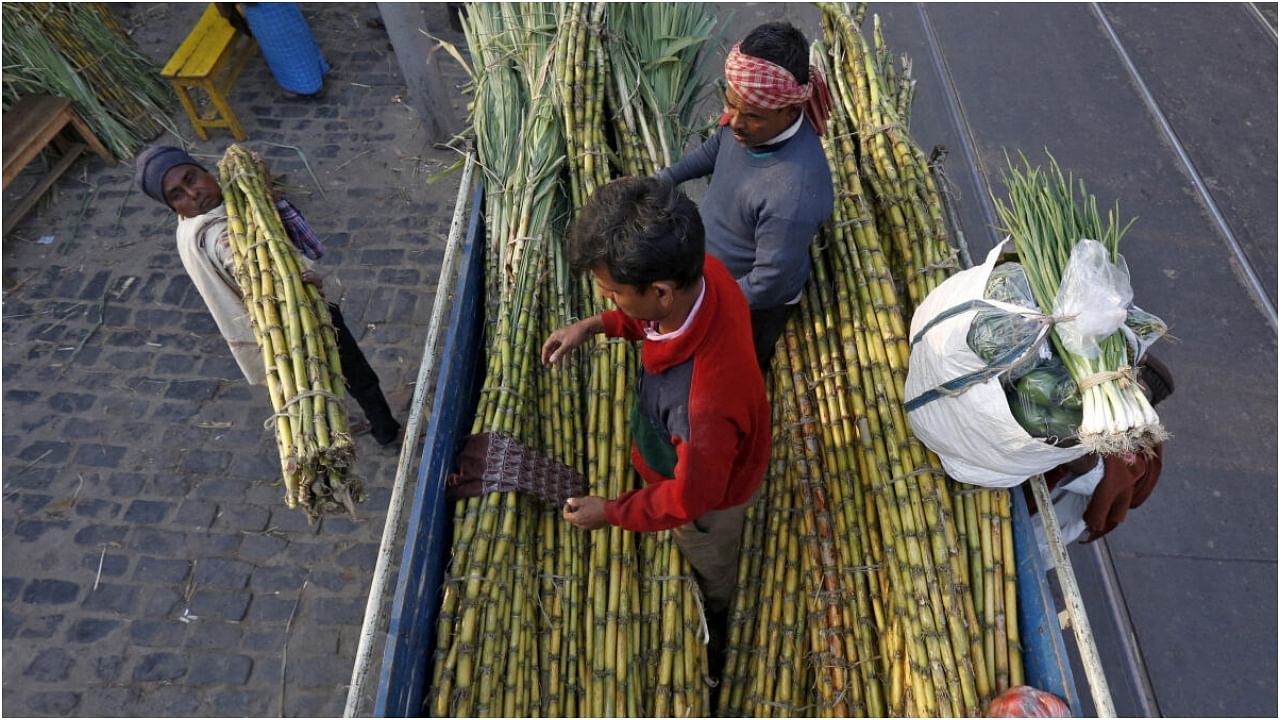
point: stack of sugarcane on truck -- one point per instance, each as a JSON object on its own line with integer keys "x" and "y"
{"x": 698, "y": 441}
{"x": 694, "y": 433}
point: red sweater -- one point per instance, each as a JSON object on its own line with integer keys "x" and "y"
{"x": 703, "y": 394}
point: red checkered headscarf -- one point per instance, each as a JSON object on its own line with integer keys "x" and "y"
{"x": 765, "y": 85}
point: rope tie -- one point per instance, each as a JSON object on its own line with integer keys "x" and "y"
{"x": 914, "y": 473}
{"x": 1123, "y": 375}
{"x": 266, "y": 424}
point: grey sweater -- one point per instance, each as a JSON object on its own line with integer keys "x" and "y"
{"x": 762, "y": 209}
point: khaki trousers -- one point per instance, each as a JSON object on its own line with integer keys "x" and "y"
{"x": 711, "y": 544}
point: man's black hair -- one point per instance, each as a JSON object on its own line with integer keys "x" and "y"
{"x": 641, "y": 230}
{"x": 781, "y": 44}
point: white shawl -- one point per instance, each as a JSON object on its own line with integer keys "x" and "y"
{"x": 197, "y": 245}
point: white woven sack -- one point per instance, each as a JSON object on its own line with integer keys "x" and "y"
{"x": 973, "y": 433}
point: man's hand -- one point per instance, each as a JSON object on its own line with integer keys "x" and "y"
{"x": 560, "y": 342}
{"x": 585, "y": 512}
{"x": 311, "y": 277}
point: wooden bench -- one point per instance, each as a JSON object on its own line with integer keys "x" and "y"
{"x": 29, "y": 126}
{"x": 210, "y": 58}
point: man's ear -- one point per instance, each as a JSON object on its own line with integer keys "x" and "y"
{"x": 666, "y": 291}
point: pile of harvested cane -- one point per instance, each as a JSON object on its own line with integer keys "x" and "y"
{"x": 538, "y": 618}
{"x": 869, "y": 583}
{"x": 298, "y": 342}
{"x": 78, "y": 51}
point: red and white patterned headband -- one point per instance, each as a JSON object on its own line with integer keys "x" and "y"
{"x": 766, "y": 85}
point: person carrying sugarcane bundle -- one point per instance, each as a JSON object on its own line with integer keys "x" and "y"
{"x": 700, "y": 424}
{"x": 771, "y": 186}
{"x": 172, "y": 177}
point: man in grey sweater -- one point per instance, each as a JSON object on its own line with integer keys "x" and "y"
{"x": 770, "y": 184}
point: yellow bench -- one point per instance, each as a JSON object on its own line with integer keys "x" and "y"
{"x": 210, "y": 58}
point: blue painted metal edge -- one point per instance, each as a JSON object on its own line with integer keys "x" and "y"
{"x": 410, "y": 642}
{"x": 1044, "y": 654}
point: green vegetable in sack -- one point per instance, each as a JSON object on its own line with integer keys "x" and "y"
{"x": 1046, "y": 403}
{"x": 993, "y": 333}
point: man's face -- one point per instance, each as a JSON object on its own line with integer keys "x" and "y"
{"x": 191, "y": 191}
{"x": 639, "y": 304}
{"x": 754, "y": 126}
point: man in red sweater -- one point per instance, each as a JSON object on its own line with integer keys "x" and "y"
{"x": 700, "y": 423}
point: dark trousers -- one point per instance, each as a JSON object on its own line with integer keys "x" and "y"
{"x": 767, "y": 325}
{"x": 362, "y": 382}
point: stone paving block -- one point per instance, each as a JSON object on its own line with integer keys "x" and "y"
{"x": 50, "y": 665}
{"x": 59, "y": 703}
{"x": 223, "y": 573}
{"x": 248, "y": 518}
{"x": 27, "y": 504}
{"x": 50, "y": 592}
{"x": 240, "y": 703}
{"x": 335, "y": 611}
{"x": 166, "y": 543}
{"x": 158, "y": 633}
{"x": 278, "y": 579}
{"x": 12, "y": 623}
{"x": 12, "y": 586}
{"x": 262, "y": 547}
{"x": 96, "y": 535}
{"x": 111, "y": 597}
{"x": 161, "y": 602}
{"x": 214, "y": 635}
{"x": 148, "y": 512}
{"x": 32, "y": 530}
{"x": 51, "y": 452}
{"x": 161, "y": 570}
{"x": 329, "y": 672}
{"x": 109, "y": 564}
{"x": 220, "y": 669}
{"x": 125, "y": 484}
{"x": 107, "y": 668}
{"x": 220, "y": 604}
{"x": 99, "y": 455}
{"x": 97, "y": 509}
{"x": 162, "y": 666}
{"x": 91, "y": 630}
{"x": 270, "y": 608}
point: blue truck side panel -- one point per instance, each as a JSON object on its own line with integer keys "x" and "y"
{"x": 1044, "y": 655}
{"x": 411, "y": 636}
{"x": 407, "y": 658}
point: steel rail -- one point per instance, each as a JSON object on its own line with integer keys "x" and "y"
{"x": 1246, "y": 268}
{"x": 1252, "y": 9}
{"x": 426, "y": 379}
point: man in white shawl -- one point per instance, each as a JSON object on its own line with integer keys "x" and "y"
{"x": 170, "y": 176}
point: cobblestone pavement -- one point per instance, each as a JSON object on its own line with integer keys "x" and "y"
{"x": 150, "y": 566}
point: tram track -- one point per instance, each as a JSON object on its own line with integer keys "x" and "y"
{"x": 1099, "y": 554}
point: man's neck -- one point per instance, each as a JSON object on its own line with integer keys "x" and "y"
{"x": 685, "y": 299}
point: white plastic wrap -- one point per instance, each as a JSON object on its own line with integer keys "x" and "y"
{"x": 973, "y": 432}
{"x": 1095, "y": 294}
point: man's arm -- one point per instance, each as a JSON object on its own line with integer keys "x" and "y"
{"x": 700, "y": 162}
{"x": 782, "y": 257}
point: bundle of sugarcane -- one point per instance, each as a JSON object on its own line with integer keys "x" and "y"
{"x": 892, "y": 626}
{"x": 876, "y": 97}
{"x": 78, "y": 51}
{"x": 652, "y": 83}
{"x": 983, "y": 515}
{"x": 299, "y": 345}
{"x": 496, "y": 652}
{"x": 605, "y": 641}
{"x": 1073, "y": 264}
